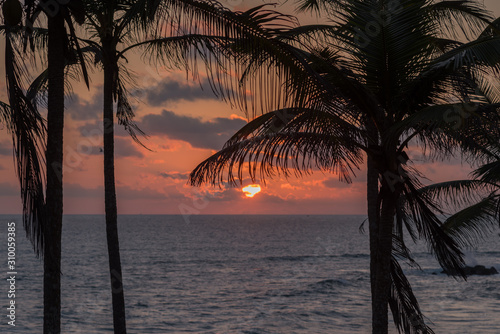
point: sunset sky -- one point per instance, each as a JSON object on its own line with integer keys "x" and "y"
{"x": 185, "y": 125}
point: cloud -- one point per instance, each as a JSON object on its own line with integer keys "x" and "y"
{"x": 6, "y": 148}
{"x": 94, "y": 131}
{"x": 214, "y": 194}
{"x": 92, "y": 141}
{"x": 76, "y": 190}
{"x": 6, "y": 189}
{"x": 169, "y": 90}
{"x": 270, "y": 198}
{"x": 335, "y": 183}
{"x": 200, "y": 134}
{"x": 122, "y": 192}
{"x": 233, "y": 195}
{"x": 124, "y": 147}
{"x": 175, "y": 175}
{"x": 81, "y": 110}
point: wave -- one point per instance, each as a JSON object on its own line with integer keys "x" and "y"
{"x": 326, "y": 286}
{"x": 355, "y": 256}
{"x": 289, "y": 258}
{"x": 308, "y": 257}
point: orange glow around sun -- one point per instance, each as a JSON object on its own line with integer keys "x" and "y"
{"x": 251, "y": 190}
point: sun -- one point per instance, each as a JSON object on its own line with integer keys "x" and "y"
{"x": 251, "y": 190}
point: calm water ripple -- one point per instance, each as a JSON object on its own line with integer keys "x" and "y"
{"x": 240, "y": 274}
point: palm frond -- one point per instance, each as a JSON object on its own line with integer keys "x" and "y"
{"x": 309, "y": 36}
{"x": 493, "y": 29}
{"x": 489, "y": 172}
{"x": 403, "y": 222}
{"x": 296, "y": 120}
{"x": 420, "y": 210}
{"x": 480, "y": 52}
{"x": 74, "y": 44}
{"x": 278, "y": 153}
{"x": 136, "y": 18}
{"x": 248, "y": 61}
{"x": 28, "y": 133}
{"x": 387, "y": 59}
{"x": 178, "y": 51}
{"x": 352, "y": 98}
{"x": 444, "y": 45}
{"x": 125, "y": 113}
{"x": 38, "y": 88}
{"x": 444, "y": 127}
{"x": 406, "y": 312}
{"x": 292, "y": 139}
{"x": 472, "y": 224}
{"x": 316, "y": 6}
{"x": 400, "y": 250}
{"x": 457, "y": 193}
{"x": 464, "y": 16}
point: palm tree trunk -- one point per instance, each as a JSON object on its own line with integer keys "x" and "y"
{"x": 372, "y": 196}
{"x": 373, "y": 212}
{"x": 54, "y": 195}
{"x": 380, "y": 263}
{"x": 379, "y": 312}
{"x": 115, "y": 269}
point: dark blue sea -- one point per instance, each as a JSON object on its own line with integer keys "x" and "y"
{"x": 238, "y": 274}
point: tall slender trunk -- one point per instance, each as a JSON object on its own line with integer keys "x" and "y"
{"x": 54, "y": 195}
{"x": 381, "y": 212}
{"x": 115, "y": 268}
{"x": 373, "y": 212}
{"x": 380, "y": 265}
{"x": 372, "y": 193}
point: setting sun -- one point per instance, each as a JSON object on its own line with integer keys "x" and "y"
{"x": 251, "y": 190}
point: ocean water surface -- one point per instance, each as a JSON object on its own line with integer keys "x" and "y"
{"x": 238, "y": 274}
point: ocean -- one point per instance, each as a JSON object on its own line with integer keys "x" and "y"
{"x": 237, "y": 274}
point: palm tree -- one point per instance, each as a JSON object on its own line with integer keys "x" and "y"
{"x": 58, "y": 46}
{"x": 117, "y": 28}
{"x": 384, "y": 77}
{"x": 62, "y": 48}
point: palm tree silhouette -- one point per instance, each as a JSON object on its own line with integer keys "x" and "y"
{"x": 383, "y": 77}
{"x": 58, "y": 53}
{"x": 117, "y": 28}
{"x": 43, "y": 221}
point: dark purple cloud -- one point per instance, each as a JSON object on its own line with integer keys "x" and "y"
{"x": 200, "y": 134}
{"x": 92, "y": 142}
{"x": 6, "y": 189}
{"x": 81, "y": 110}
{"x": 169, "y": 90}
{"x": 6, "y": 148}
{"x": 122, "y": 192}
